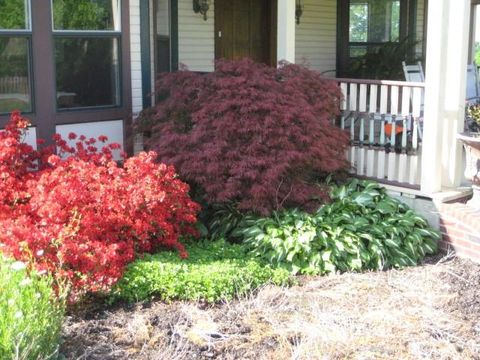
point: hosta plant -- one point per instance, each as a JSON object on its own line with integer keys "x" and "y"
{"x": 224, "y": 220}
{"x": 362, "y": 228}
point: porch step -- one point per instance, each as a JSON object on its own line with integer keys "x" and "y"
{"x": 445, "y": 196}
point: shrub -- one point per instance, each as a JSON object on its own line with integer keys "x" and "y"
{"x": 223, "y": 221}
{"x": 83, "y": 217}
{"x": 32, "y": 315}
{"x": 248, "y": 133}
{"x": 214, "y": 271}
{"x": 361, "y": 229}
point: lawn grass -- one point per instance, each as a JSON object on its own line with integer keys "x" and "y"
{"x": 7, "y": 105}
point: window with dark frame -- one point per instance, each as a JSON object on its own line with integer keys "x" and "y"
{"x": 370, "y": 27}
{"x": 69, "y": 66}
{"x": 163, "y": 46}
{"x": 371, "y": 24}
{"x": 15, "y": 56}
{"x": 87, "y": 37}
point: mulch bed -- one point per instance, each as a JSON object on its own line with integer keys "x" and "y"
{"x": 430, "y": 311}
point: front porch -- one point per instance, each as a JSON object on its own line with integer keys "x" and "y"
{"x": 423, "y": 158}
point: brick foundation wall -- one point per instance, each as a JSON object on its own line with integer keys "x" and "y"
{"x": 460, "y": 227}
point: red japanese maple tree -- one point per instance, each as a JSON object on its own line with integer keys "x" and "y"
{"x": 255, "y": 135}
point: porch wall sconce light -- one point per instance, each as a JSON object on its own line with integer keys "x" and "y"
{"x": 202, "y": 7}
{"x": 298, "y": 11}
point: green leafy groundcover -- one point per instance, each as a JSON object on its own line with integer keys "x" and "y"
{"x": 31, "y": 314}
{"x": 362, "y": 228}
{"x": 214, "y": 271}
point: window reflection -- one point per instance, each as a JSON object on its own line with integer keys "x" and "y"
{"x": 374, "y": 21}
{"x": 375, "y": 47}
{"x": 14, "y": 15}
{"x": 86, "y": 15}
{"x": 87, "y": 71}
{"x": 88, "y": 59}
{"x": 163, "y": 62}
{"x": 359, "y": 22}
{"x": 14, "y": 74}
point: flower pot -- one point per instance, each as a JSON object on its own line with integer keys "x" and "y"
{"x": 471, "y": 142}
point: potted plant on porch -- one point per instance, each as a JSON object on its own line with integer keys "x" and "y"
{"x": 471, "y": 142}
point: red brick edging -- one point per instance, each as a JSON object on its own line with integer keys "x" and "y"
{"x": 460, "y": 227}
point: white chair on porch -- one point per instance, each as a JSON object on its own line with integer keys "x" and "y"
{"x": 413, "y": 73}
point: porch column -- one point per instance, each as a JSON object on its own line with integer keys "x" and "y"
{"x": 286, "y": 30}
{"x": 446, "y": 64}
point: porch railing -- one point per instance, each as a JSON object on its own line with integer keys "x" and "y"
{"x": 385, "y": 122}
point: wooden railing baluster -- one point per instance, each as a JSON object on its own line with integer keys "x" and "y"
{"x": 368, "y": 107}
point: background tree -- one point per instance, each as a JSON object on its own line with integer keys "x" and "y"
{"x": 12, "y": 14}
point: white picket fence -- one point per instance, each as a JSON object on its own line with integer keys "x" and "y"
{"x": 374, "y": 110}
{"x": 14, "y": 85}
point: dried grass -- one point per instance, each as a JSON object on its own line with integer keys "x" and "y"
{"x": 408, "y": 314}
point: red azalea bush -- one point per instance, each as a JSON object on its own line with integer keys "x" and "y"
{"x": 255, "y": 135}
{"x": 81, "y": 216}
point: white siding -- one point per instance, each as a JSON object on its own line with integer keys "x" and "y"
{"x": 30, "y": 136}
{"x": 420, "y": 26}
{"x": 135, "y": 56}
{"x": 112, "y": 129}
{"x": 316, "y": 36}
{"x": 196, "y": 42}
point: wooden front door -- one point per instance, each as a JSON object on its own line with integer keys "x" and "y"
{"x": 245, "y": 28}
